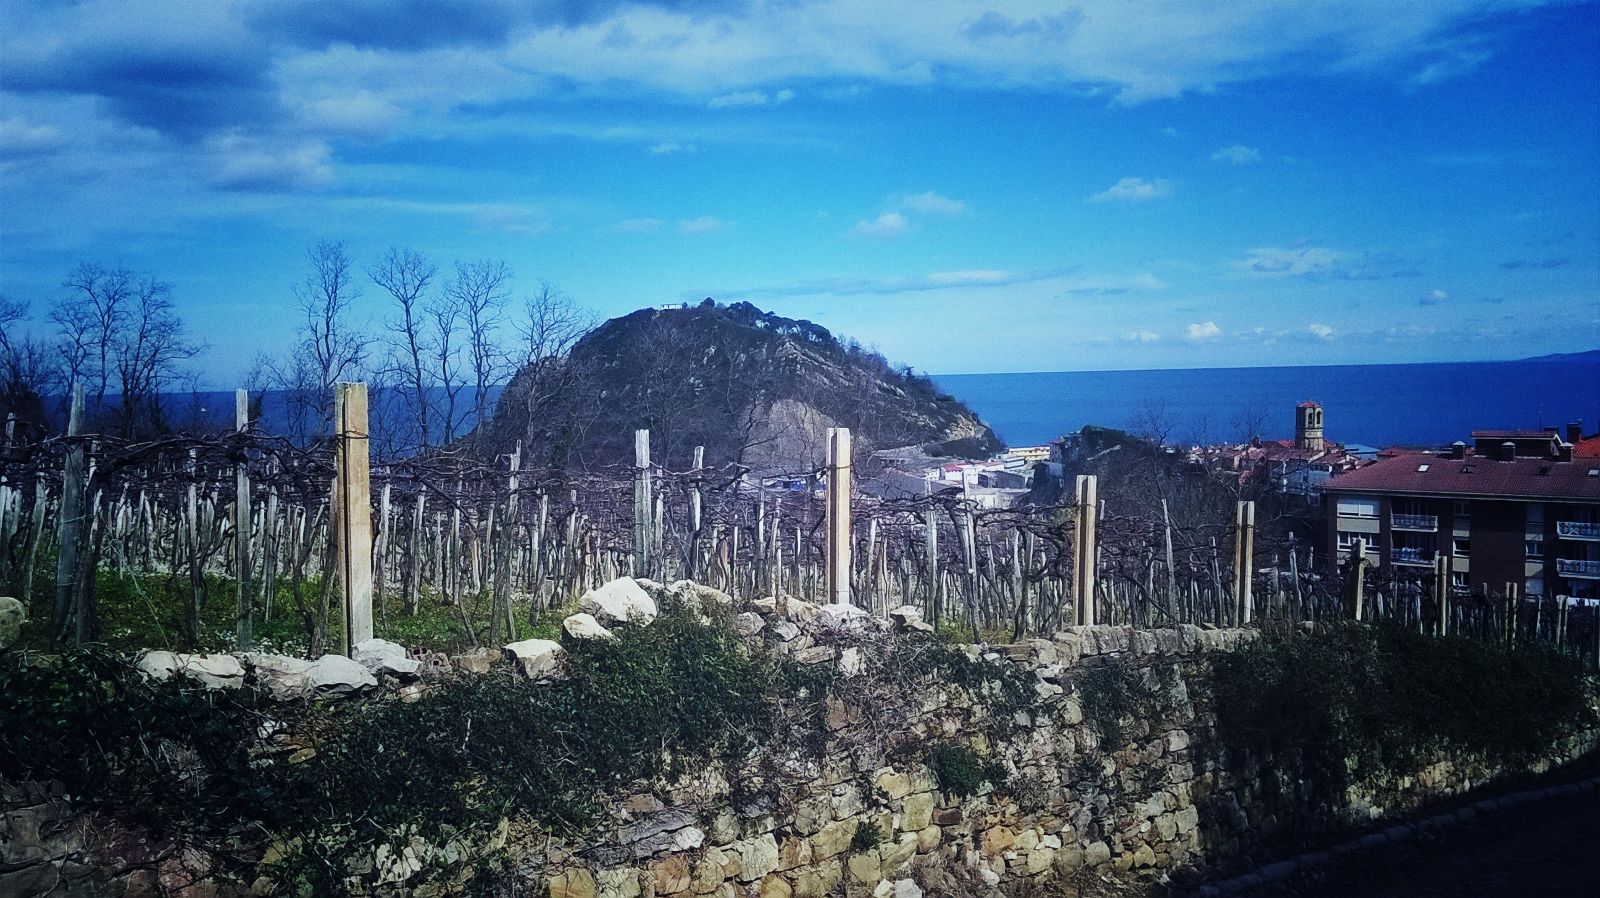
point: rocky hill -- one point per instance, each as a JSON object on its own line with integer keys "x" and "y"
{"x": 750, "y": 386}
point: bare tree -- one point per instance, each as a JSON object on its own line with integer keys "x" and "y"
{"x": 150, "y": 345}
{"x": 330, "y": 350}
{"x": 444, "y": 314}
{"x": 405, "y": 275}
{"x": 89, "y": 317}
{"x": 479, "y": 291}
{"x": 28, "y": 369}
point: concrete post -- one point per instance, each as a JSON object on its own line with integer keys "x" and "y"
{"x": 1358, "y": 573}
{"x": 241, "y": 524}
{"x": 1087, "y": 554}
{"x": 69, "y": 526}
{"x": 643, "y": 507}
{"x": 353, "y": 463}
{"x": 1244, "y": 548}
{"x": 839, "y": 475}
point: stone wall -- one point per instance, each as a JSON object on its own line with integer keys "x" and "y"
{"x": 1098, "y": 753}
{"x": 1073, "y": 795}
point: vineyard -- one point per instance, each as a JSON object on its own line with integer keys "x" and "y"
{"x": 210, "y": 540}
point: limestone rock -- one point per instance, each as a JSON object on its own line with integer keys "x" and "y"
{"x": 584, "y": 626}
{"x": 211, "y": 671}
{"x": 840, "y": 616}
{"x": 757, "y": 857}
{"x": 536, "y": 658}
{"x": 338, "y": 675}
{"x": 12, "y": 615}
{"x": 748, "y": 623}
{"x": 381, "y": 656}
{"x": 477, "y": 661}
{"x": 909, "y": 617}
{"x": 622, "y": 601}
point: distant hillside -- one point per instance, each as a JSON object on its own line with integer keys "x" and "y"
{"x": 748, "y": 385}
{"x": 1587, "y": 355}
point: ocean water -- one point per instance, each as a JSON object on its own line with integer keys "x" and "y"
{"x": 1375, "y": 405}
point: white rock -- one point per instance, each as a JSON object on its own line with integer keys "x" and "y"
{"x": 842, "y": 616}
{"x": 622, "y": 601}
{"x": 384, "y": 657}
{"x": 12, "y": 614}
{"x": 851, "y": 662}
{"x": 785, "y": 631}
{"x": 536, "y": 658}
{"x": 284, "y": 677}
{"x": 909, "y": 617}
{"x": 338, "y": 675}
{"x": 907, "y": 888}
{"x": 212, "y": 671}
{"x": 748, "y": 623}
{"x": 584, "y": 626}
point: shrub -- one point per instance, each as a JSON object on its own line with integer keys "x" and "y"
{"x": 958, "y": 768}
{"x": 1385, "y": 698}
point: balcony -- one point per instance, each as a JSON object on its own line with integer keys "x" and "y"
{"x": 1578, "y": 530}
{"x": 1426, "y": 523}
{"x": 1406, "y": 555}
{"x": 1573, "y": 567}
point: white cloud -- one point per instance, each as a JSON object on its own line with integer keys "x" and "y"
{"x": 1134, "y": 190}
{"x": 246, "y": 163}
{"x": 705, "y": 224}
{"x": 1320, "y": 331}
{"x": 1141, "y": 336}
{"x": 1200, "y": 333}
{"x": 930, "y": 203}
{"x": 1238, "y": 154}
{"x": 1291, "y": 261}
{"x": 637, "y": 226}
{"x": 745, "y": 98}
{"x": 885, "y": 227}
{"x": 19, "y": 139}
{"x": 1434, "y": 297}
{"x": 973, "y": 276}
{"x": 739, "y": 100}
{"x": 667, "y": 148}
{"x": 363, "y": 115}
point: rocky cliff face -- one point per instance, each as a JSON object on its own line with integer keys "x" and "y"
{"x": 747, "y": 385}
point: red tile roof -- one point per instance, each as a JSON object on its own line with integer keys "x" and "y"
{"x": 1587, "y": 448}
{"x": 1519, "y": 478}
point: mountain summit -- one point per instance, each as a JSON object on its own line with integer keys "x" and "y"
{"x": 750, "y": 386}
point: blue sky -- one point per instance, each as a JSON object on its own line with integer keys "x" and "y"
{"x": 967, "y": 186}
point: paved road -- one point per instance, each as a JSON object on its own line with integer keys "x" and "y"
{"x": 1541, "y": 849}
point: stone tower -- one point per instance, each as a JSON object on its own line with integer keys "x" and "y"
{"x": 1308, "y": 427}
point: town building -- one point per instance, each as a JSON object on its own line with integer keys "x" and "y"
{"x": 1300, "y": 466}
{"x": 1516, "y": 510}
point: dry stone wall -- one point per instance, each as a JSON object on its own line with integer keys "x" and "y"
{"x": 910, "y": 767}
{"x": 1111, "y": 769}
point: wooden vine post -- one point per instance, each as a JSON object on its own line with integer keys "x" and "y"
{"x": 69, "y": 528}
{"x": 839, "y": 475}
{"x": 1244, "y": 548}
{"x": 353, "y": 511}
{"x": 241, "y": 522}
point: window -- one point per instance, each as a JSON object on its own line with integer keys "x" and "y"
{"x": 1347, "y": 540}
{"x": 1536, "y": 515}
{"x": 1358, "y": 507}
{"x": 1458, "y": 580}
{"x": 1534, "y": 549}
{"x": 1461, "y": 547}
{"x": 1534, "y": 586}
{"x": 1463, "y": 508}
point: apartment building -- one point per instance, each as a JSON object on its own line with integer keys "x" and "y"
{"x": 1515, "y": 507}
